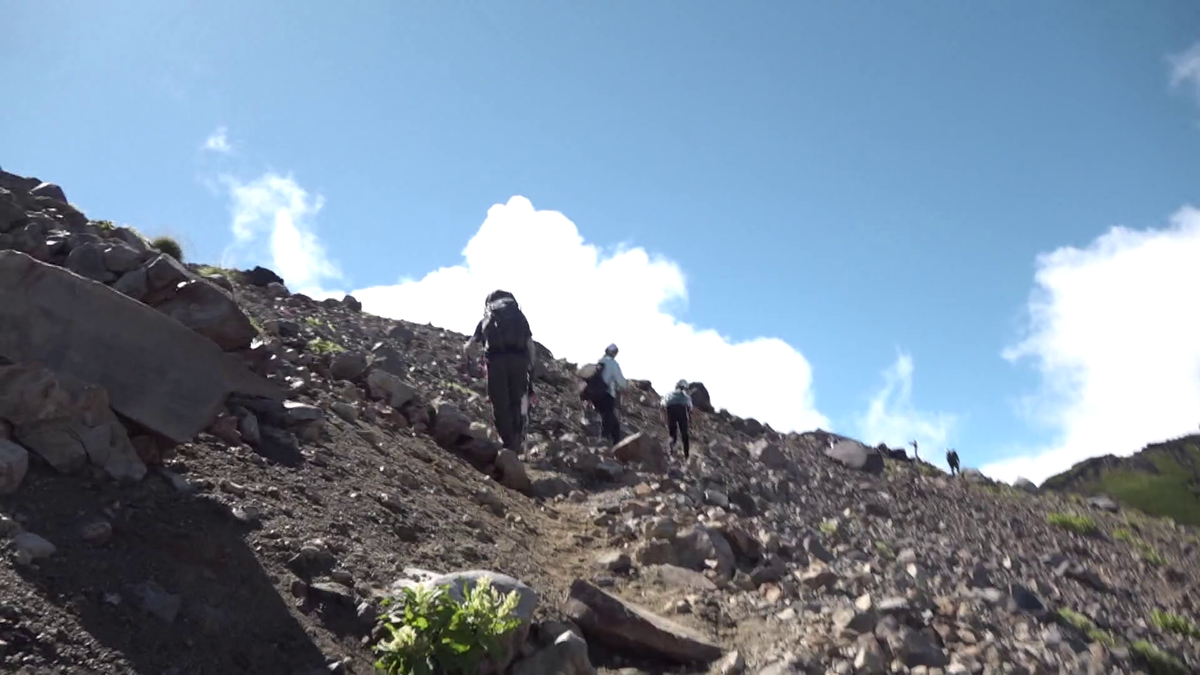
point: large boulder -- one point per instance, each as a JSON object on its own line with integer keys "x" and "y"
{"x": 154, "y": 370}
{"x": 628, "y": 629}
{"x": 385, "y": 386}
{"x": 14, "y": 462}
{"x": 700, "y": 397}
{"x": 262, "y": 277}
{"x": 768, "y": 454}
{"x": 567, "y": 656}
{"x": 855, "y": 455}
{"x": 1026, "y": 485}
{"x": 643, "y": 449}
{"x": 212, "y": 312}
{"x": 66, "y": 422}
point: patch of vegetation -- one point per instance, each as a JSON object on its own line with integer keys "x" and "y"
{"x": 213, "y": 270}
{"x": 314, "y": 322}
{"x": 106, "y": 225}
{"x": 1074, "y": 522}
{"x": 1122, "y": 534}
{"x": 1156, "y": 660}
{"x": 1150, "y": 554}
{"x": 432, "y": 633}
{"x": 1174, "y": 623}
{"x": 1159, "y": 480}
{"x": 1087, "y": 627}
{"x": 169, "y": 246}
{"x": 323, "y": 346}
{"x": 828, "y": 527}
{"x": 884, "y": 550}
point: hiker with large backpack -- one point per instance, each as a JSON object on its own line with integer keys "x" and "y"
{"x": 510, "y": 352}
{"x": 601, "y": 383}
{"x": 677, "y": 412}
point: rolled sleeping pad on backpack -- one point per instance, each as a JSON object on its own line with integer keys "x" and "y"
{"x": 586, "y": 371}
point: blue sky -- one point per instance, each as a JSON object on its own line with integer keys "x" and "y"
{"x": 861, "y": 199}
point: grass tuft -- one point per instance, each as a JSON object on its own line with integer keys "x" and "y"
{"x": 1174, "y": 623}
{"x": 169, "y": 246}
{"x": 1157, "y": 661}
{"x": 1087, "y": 627}
{"x": 1074, "y": 522}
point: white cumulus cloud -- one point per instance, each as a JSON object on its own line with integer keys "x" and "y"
{"x": 1115, "y": 333}
{"x": 579, "y": 298}
{"x": 218, "y": 141}
{"x": 891, "y": 417}
{"x": 273, "y": 218}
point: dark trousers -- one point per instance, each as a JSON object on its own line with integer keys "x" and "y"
{"x": 954, "y": 468}
{"x": 607, "y": 407}
{"x": 677, "y": 426}
{"x": 508, "y": 385}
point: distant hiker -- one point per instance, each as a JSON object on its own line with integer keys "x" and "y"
{"x": 510, "y": 353}
{"x": 916, "y": 452}
{"x": 601, "y": 383}
{"x": 677, "y": 412}
{"x": 952, "y": 460}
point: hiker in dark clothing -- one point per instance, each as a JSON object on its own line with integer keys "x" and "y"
{"x": 510, "y": 352}
{"x": 952, "y": 460}
{"x": 677, "y": 412}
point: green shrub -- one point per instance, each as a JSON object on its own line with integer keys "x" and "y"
{"x": 106, "y": 225}
{"x": 1087, "y": 627}
{"x": 1150, "y": 554}
{"x": 1122, "y": 534}
{"x": 828, "y": 527}
{"x": 169, "y": 246}
{"x": 1173, "y": 623}
{"x": 432, "y": 633}
{"x": 1073, "y": 522}
{"x": 1157, "y": 661}
{"x": 323, "y": 346}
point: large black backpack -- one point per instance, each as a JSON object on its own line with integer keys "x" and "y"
{"x": 505, "y": 328}
{"x": 593, "y": 388}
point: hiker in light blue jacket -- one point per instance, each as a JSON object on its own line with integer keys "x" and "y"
{"x": 615, "y": 381}
{"x": 677, "y": 413}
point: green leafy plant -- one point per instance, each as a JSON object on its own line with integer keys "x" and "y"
{"x": 323, "y": 346}
{"x": 169, "y": 246}
{"x": 828, "y": 527}
{"x": 106, "y": 225}
{"x": 431, "y": 633}
{"x": 1174, "y": 623}
{"x": 1122, "y": 534}
{"x": 1073, "y": 522}
{"x": 1087, "y": 627}
{"x": 1157, "y": 661}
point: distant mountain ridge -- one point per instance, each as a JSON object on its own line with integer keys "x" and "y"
{"x": 1162, "y": 479}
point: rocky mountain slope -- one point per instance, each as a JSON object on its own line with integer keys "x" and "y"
{"x": 1161, "y": 479}
{"x": 201, "y": 472}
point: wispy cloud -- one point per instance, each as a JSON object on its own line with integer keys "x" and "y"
{"x": 276, "y": 209}
{"x": 218, "y": 141}
{"x": 1115, "y": 333}
{"x": 892, "y": 418}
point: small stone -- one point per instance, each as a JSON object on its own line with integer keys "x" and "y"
{"x": 96, "y": 532}
{"x": 614, "y": 561}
